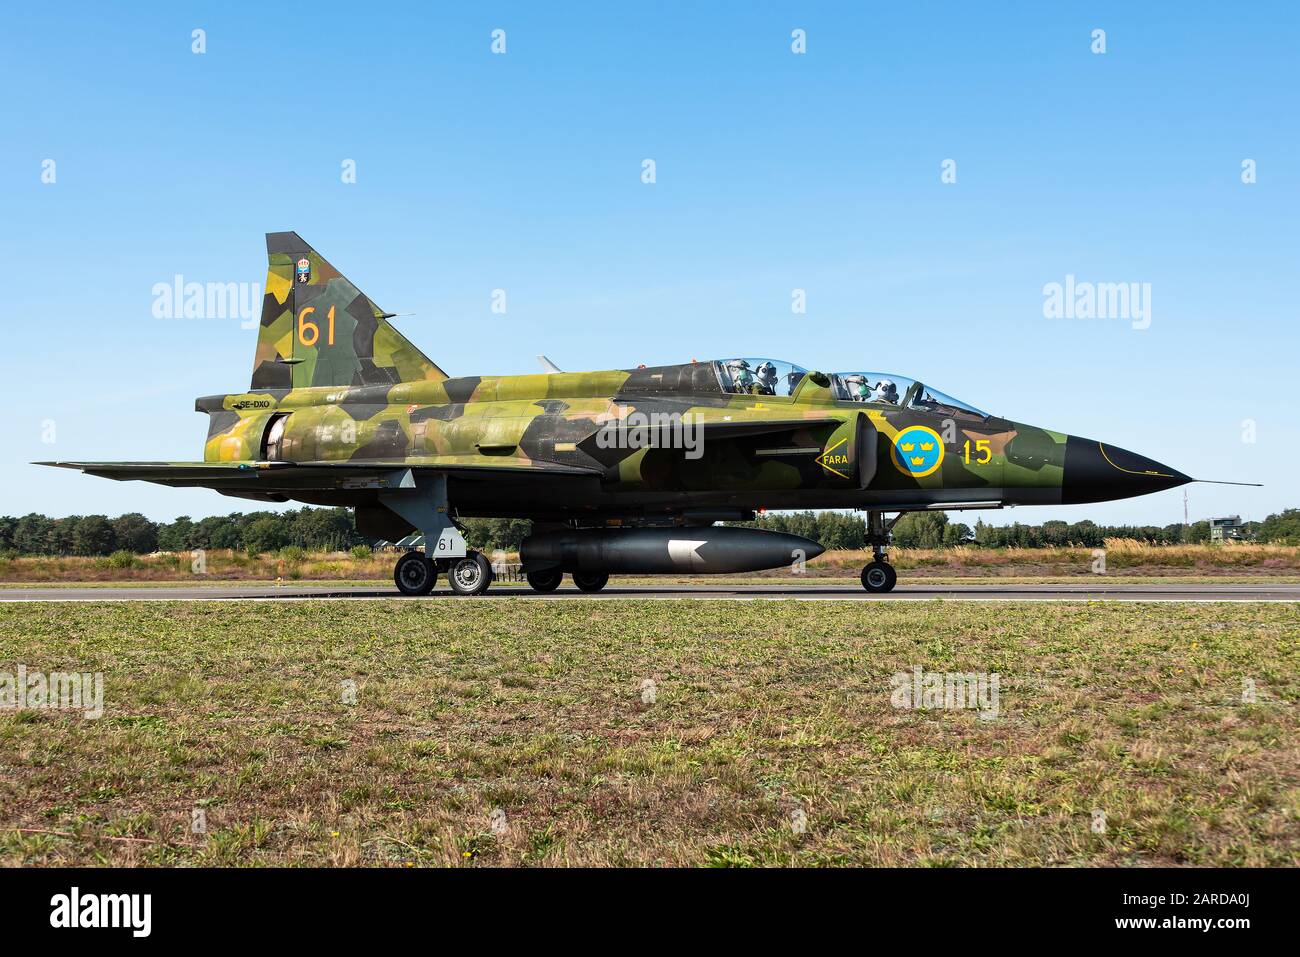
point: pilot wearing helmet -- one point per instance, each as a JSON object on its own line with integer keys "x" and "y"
{"x": 742, "y": 379}
{"x": 766, "y": 375}
{"x": 856, "y": 387}
{"x": 885, "y": 391}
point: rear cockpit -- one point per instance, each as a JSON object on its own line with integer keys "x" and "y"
{"x": 750, "y": 376}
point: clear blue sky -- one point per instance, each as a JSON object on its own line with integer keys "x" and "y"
{"x": 775, "y": 171}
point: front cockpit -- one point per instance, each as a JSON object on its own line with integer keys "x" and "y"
{"x": 883, "y": 388}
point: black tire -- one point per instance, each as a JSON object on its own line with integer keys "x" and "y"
{"x": 470, "y": 575}
{"x": 415, "y": 574}
{"x": 879, "y": 577}
{"x": 545, "y": 582}
{"x": 590, "y": 581}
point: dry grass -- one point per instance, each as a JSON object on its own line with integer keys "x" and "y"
{"x": 761, "y": 708}
{"x": 1123, "y": 557}
{"x": 218, "y": 565}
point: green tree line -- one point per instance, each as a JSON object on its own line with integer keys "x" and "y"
{"x": 333, "y": 529}
{"x": 936, "y": 530}
{"x": 315, "y": 529}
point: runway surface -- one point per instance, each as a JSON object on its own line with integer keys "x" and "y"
{"x": 982, "y": 591}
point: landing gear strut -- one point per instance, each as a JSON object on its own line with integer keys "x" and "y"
{"x": 879, "y": 576}
{"x": 423, "y": 503}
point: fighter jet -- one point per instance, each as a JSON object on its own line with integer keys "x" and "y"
{"x": 621, "y": 471}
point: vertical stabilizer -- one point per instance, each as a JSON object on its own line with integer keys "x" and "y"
{"x": 318, "y": 329}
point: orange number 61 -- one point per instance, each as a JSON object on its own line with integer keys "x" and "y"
{"x": 309, "y": 332}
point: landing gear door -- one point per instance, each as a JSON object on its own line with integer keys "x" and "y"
{"x": 866, "y": 446}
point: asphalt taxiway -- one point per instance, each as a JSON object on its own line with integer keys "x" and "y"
{"x": 981, "y": 591}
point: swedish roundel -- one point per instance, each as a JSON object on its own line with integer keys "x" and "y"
{"x": 917, "y": 451}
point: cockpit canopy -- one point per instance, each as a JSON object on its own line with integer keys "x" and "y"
{"x": 756, "y": 376}
{"x": 885, "y": 388}
{"x": 749, "y": 376}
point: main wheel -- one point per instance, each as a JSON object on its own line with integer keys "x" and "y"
{"x": 879, "y": 577}
{"x": 546, "y": 581}
{"x": 415, "y": 574}
{"x": 590, "y": 581}
{"x": 470, "y": 575}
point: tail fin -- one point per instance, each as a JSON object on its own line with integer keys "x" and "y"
{"x": 318, "y": 329}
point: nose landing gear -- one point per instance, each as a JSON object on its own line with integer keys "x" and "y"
{"x": 878, "y": 576}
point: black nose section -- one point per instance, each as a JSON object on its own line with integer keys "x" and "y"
{"x": 1096, "y": 472}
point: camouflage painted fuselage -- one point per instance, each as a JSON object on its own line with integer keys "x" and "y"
{"x": 343, "y": 410}
{"x": 808, "y": 450}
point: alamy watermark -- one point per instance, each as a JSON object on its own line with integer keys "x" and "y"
{"x": 1130, "y": 301}
{"x": 75, "y": 909}
{"x": 179, "y": 299}
{"x": 951, "y": 690}
{"x": 654, "y": 430}
{"x": 56, "y": 690}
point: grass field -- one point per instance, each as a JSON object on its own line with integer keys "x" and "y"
{"x": 504, "y": 734}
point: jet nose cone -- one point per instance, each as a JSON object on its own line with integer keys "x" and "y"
{"x": 1097, "y": 472}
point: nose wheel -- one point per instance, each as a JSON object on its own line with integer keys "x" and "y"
{"x": 879, "y": 577}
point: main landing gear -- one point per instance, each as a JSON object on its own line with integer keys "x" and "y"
{"x": 423, "y": 503}
{"x": 549, "y": 580}
{"x": 879, "y": 576}
{"x": 416, "y": 573}
{"x": 590, "y": 581}
{"x": 470, "y": 575}
{"x": 545, "y": 582}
